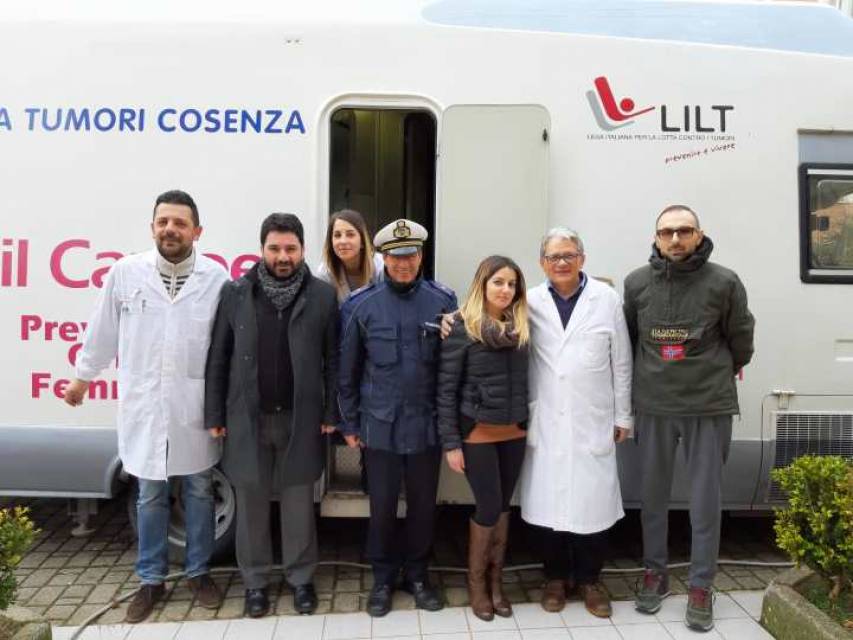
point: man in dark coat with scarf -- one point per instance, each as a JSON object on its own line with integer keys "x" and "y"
{"x": 271, "y": 393}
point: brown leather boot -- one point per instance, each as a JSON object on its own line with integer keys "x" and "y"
{"x": 554, "y": 596}
{"x": 479, "y": 547}
{"x": 500, "y": 603}
{"x": 596, "y": 599}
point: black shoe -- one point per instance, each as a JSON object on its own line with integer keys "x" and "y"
{"x": 257, "y": 603}
{"x": 426, "y": 596}
{"x": 379, "y": 601}
{"x": 305, "y": 598}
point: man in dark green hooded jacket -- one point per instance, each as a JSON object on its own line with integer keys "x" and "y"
{"x": 692, "y": 332}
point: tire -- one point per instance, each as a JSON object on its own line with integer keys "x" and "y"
{"x": 224, "y": 512}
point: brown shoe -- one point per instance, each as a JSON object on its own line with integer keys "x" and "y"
{"x": 143, "y": 602}
{"x": 596, "y": 599}
{"x": 554, "y": 596}
{"x": 500, "y": 603}
{"x": 479, "y": 548}
{"x": 206, "y": 592}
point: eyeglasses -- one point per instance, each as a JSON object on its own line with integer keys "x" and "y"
{"x": 682, "y": 232}
{"x": 557, "y": 258}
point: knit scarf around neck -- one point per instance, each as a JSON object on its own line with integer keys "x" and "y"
{"x": 281, "y": 291}
{"x": 498, "y": 336}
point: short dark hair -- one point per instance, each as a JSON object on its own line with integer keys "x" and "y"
{"x": 176, "y": 196}
{"x": 678, "y": 207}
{"x": 283, "y": 223}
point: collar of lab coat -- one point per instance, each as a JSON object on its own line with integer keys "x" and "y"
{"x": 541, "y": 296}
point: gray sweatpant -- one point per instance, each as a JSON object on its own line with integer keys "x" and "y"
{"x": 705, "y": 441}
{"x": 298, "y": 527}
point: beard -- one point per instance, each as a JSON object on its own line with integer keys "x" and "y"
{"x": 175, "y": 250}
{"x": 282, "y": 269}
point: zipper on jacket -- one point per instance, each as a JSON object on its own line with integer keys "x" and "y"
{"x": 509, "y": 385}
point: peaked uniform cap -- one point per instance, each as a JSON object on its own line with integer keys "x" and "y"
{"x": 401, "y": 237}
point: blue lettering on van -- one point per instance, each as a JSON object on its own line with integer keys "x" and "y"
{"x": 168, "y": 120}
{"x": 5, "y": 120}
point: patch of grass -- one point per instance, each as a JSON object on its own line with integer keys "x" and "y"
{"x": 8, "y": 627}
{"x": 816, "y": 591}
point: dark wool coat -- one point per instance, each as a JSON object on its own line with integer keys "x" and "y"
{"x": 231, "y": 380}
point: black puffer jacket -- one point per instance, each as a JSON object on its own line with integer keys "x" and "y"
{"x": 478, "y": 384}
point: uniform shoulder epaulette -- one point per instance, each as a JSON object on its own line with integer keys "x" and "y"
{"x": 358, "y": 293}
{"x": 361, "y": 290}
{"x": 441, "y": 287}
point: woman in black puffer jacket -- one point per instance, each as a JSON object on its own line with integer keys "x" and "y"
{"x": 482, "y": 415}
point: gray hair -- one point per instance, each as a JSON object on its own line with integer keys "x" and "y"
{"x": 564, "y": 233}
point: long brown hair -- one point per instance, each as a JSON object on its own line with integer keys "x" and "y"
{"x": 474, "y": 309}
{"x": 334, "y": 264}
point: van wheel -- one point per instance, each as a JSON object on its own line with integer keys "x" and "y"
{"x": 224, "y": 512}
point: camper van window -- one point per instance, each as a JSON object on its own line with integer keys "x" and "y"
{"x": 829, "y": 228}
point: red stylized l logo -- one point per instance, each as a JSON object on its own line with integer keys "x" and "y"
{"x": 620, "y": 112}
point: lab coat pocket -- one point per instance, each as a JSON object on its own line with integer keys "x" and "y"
{"x": 198, "y": 339}
{"x": 595, "y": 350}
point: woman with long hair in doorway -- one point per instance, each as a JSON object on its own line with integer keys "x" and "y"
{"x": 482, "y": 415}
{"x": 349, "y": 261}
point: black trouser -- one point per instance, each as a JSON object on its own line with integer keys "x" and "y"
{"x": 575, "y": 556}
{"x": 387, "y": 550}
{"x": 492, "y": 470}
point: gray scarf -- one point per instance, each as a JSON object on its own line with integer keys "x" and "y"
{"x": 496, "y": 336}
{"x": 281, "y": 291}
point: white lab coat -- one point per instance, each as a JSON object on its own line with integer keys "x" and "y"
{"x": 161, "y": 346}
{"x": 580, "y": 389}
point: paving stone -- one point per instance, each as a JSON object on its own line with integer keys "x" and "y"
{"x": 112, "y": 577}
{"x": 105, "y": 560}
{"x": 181, "y": 592}
{"x": 750, "y": 582}
{"x": 456, "y": 596}
{"x": 61, "y": 612}
{"x": 200, "y": 613}
{"x": 175, "y": 611}
{"x": 324, "y": 582}
{"x": 81, "y": 559}
{"x": 25, "y": 593}
{"x": 284, "y": 605}
{"x": 514, "y": 593}
{"x": 33, "y": 560}
{"x": 102, "y": 593}
{"x": 619, "y": 588}
{"x": 722, "y": 582}
{"x": 231, "y": 608}
{"x": 38, "y": 578}
{"x": 400, "y": 601}
{"x": 75, "y": 601}
{"x": 54, "y": 562}
{"x": 45, "y": 596}
{"x": 73, "y": 544}
{"x": 115, "y": 614}
{"x": 92, "y": 575}
{"x": 350, "y": 584}
{"x": 346, "y": 603}
{"x": 77, "y": 591}
{"x": 82, "y": 613}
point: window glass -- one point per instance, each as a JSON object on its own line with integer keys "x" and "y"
{"x": 830, "y": 221}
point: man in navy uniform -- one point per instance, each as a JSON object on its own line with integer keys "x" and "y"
{"x": 389, "y": 358}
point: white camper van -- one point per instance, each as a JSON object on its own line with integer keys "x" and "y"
{"x": 486, "y": 120}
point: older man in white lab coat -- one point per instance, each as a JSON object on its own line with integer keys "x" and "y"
{"x": 580, "y": 407}
{"x": 155, "y": 313}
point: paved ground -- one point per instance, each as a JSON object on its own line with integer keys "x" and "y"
{"x": 66, "y": 579}
{"x": 735, "y": 621}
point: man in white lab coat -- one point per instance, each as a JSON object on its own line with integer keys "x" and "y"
{"x": 580, "y": 407}
{"x": 155, "y": 313}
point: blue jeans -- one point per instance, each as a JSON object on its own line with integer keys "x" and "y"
{"x": 152, "y": 517}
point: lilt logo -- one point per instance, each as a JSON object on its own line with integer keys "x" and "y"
{"x": 608, "y": 114}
